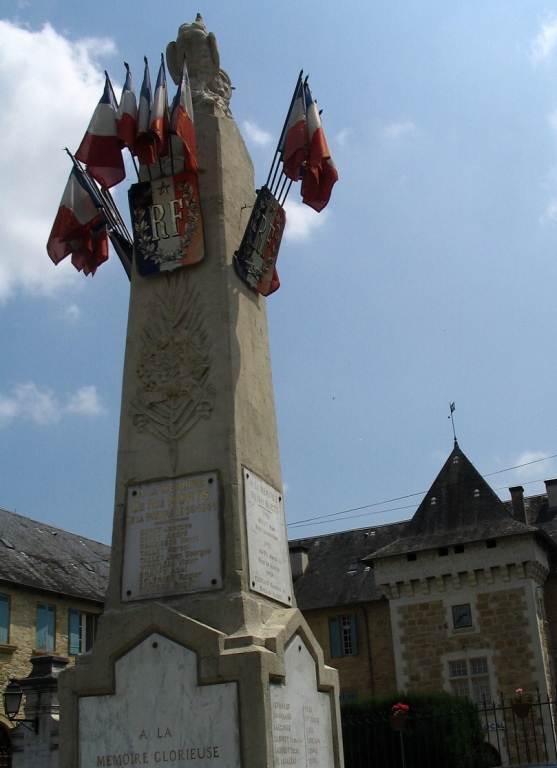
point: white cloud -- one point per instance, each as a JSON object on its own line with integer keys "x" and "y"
{"x": 545, "y": 41}
{"x": 85, "y": 401}
{"x": 49, "y": 88}
{"x": 28, "y": 403}
{"x": 394, "y": 130}
{"x": 256, "y": 135}
{"x": 536, "y": 466}
{"x": 550, "y": 212}
{"x": 301, "y": 220}
{"x": 72, "y": 312}
{"x": 342, "y": 136}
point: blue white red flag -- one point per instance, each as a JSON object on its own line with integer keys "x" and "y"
{"x": 320, "y": 173}
{"x": 158, "y": 121}
{"x": 181, "y": 119}
{"x": 126, "y": 117}
{"x": 294, "y": 147}
{"x": 144, "y": 141}
{"x": 100, "y": 149}
{"x": 79, "y": 228}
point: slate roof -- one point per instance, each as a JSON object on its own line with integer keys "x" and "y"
{"x": 460, "y": 506}
{"x": 39, "y": 556}
{"x": 335, "y": 574}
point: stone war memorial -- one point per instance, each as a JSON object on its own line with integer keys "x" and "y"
{"x": 202, "y": 657}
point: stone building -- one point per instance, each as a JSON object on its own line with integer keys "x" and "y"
{"x": 52, "y": 586}
{"x": 461, "y": 597}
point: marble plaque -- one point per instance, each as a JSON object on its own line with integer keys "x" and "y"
{"x": 159, "y": 714}
{"x": 268, "y": 556}
{"x": 172, "y": 540}
{"x": 302, "y": 723}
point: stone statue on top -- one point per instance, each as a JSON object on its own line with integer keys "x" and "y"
{"x": 210, "y": 85}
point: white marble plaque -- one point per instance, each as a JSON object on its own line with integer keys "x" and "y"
{"x": 302, "y": 724}
{"x": 172, "y": 540}
{"x": 269, "y": 560}
{"x": 159, "y": 714}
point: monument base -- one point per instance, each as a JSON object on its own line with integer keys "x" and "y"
{"x": 167, "y": 690}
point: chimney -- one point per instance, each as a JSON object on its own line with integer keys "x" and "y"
{"x": 551, "y": 488}
{"x": 517, "y": 500}
{"x": 298, "y": 560}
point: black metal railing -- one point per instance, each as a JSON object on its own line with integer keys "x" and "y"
{"x": 496, "y": 733}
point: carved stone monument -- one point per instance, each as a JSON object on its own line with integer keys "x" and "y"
{"x": 201, "y": 655}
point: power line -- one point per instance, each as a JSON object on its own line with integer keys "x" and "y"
{"x": 328, "y": 517}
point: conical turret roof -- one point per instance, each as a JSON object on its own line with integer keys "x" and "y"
{"x": 460, "y": 506}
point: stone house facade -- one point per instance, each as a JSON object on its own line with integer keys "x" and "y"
{"x": 461, "y": 597}
{"x": 52, "y": 586}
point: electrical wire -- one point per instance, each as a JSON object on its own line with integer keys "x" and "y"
{"x": 311, "y": 521}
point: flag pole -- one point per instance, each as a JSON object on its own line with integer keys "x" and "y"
{"x": 110, "y": 209}
{"x": 127, "y": 66}
{"x": 452, "y": 410}
{"x": 277, "y": 150}
{"x": 104, "y": 203}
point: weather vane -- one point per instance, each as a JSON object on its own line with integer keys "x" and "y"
{"x": 452, "y": 407}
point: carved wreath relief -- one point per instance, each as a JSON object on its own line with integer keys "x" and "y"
{"x": 174, "y": 365}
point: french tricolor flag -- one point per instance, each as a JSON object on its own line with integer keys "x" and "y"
{"x": 181, "y": 119}
{"x": 78, "y": 227}
{"x": 158, "y": 122}
{"x": 320, "y": 173}
{"x": 294, "y": 146}
{"x": 144, "y": 142}
{"x": 126, "y": 117}
{"x": 100, "y": 149}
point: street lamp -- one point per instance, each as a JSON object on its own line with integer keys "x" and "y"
{"x": 12, "y": 703}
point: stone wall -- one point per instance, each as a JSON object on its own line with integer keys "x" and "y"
{"x": 15, "y": 656}
{"x": 371, "y": 671}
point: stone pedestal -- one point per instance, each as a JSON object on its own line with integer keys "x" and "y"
{"x": 201, "y": 654}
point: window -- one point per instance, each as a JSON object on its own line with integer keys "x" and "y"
{"x": 81, "y": 631}
{"x": 462, "y": 616}
{"x": 46, "y": 623}
{"x": 348, "y": 697}
{"x": 470, "y": 679}
{"x": 342, "y": 635}
{"x": 4, "y": 619}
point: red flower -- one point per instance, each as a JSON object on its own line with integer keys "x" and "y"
{"x": 400, "y": 709}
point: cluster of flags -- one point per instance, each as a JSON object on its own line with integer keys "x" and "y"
{"x": 302, "y": 154}
{"x": 304, "y": 151}
{"x": 84, "y": 221}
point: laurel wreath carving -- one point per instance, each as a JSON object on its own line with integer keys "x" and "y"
{"x": 174, "y": 364}
{"x": 144, "y": 238}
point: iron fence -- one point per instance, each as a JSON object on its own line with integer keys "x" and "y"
{"x": 496, "y": 733}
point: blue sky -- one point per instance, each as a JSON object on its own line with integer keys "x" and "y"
{"x": 430, "y": 277}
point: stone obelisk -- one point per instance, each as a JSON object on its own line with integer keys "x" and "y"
{"x": 201, "y": 654}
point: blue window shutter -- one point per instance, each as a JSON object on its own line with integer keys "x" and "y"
{"x": 46, "y": 627}
{"x": 353, "y": 636}
{"x": 4, "y": 619}
{"x": 334, "y": 637}
{"x": 73, "y": 631}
